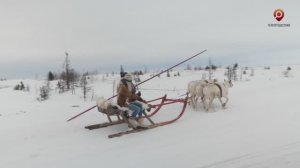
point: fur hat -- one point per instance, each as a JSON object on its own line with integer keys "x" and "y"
{"x": 128, "y": 77}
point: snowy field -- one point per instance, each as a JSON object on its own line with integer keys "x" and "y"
{"x": 259, "y": 128}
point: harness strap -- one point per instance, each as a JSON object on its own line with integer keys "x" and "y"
{"x": 220, "y": 89}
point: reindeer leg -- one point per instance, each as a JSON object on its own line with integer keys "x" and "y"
{"x": 213, "y": 107}
{"x": 224, "y": 104}
{"x": 205, "y": 104}
{"x": 193, "y": 101}
{"x": 210, "y": 103}
{"x": 196, "y": 100}
{"x": 202, "y": 100}
{"x": 189, "y": 100}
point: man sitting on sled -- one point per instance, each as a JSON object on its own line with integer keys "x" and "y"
{"x": 128, "y": 98}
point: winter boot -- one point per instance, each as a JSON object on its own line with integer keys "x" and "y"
{"x": 149, "y": 108}
{"x": 132, "y": 123}
{"x": 140, "y": 124}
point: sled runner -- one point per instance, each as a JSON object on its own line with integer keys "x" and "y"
{"x": 122, "y": 116}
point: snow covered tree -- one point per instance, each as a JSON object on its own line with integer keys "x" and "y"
{"x": 44, "y": 92}
{"x": 69, "y": 75}
{"x": 145, "y": 70}
{"x": 66, "y": 73}
{"x": 252, "y": 72}
{"x": 50, "y": 76}
{"x": 188, "y": 67}
{"x": 84, "y": 83}
{"x": 232, "y": 72}
{"x": 286, "y": 73}
{"x": 168, "y": 74}
{"x": 20, "y": 86}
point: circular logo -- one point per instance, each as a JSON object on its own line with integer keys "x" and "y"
{"x": 278, "y": 14}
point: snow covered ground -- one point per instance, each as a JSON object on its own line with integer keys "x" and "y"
{"x": 259, "y": 127}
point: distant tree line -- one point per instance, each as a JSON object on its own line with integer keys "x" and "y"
{"x": 198, "y": 68}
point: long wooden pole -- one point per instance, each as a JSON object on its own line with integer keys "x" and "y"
{"x": 143, "y": 81}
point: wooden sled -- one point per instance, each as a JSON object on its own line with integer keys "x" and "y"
{"x": 122, "y": 116}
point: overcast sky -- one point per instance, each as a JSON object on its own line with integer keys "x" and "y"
{"x": 103, "y": 34}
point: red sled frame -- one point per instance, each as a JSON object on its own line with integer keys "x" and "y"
{"x": 121, "y": 116}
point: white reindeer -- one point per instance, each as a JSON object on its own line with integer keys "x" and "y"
{"x": 191, "y": 90}
{"x": 195, "y": 89}
{"x": 219, "y": 90}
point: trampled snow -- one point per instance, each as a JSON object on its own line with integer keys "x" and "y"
{"x": 258, "y": 128}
